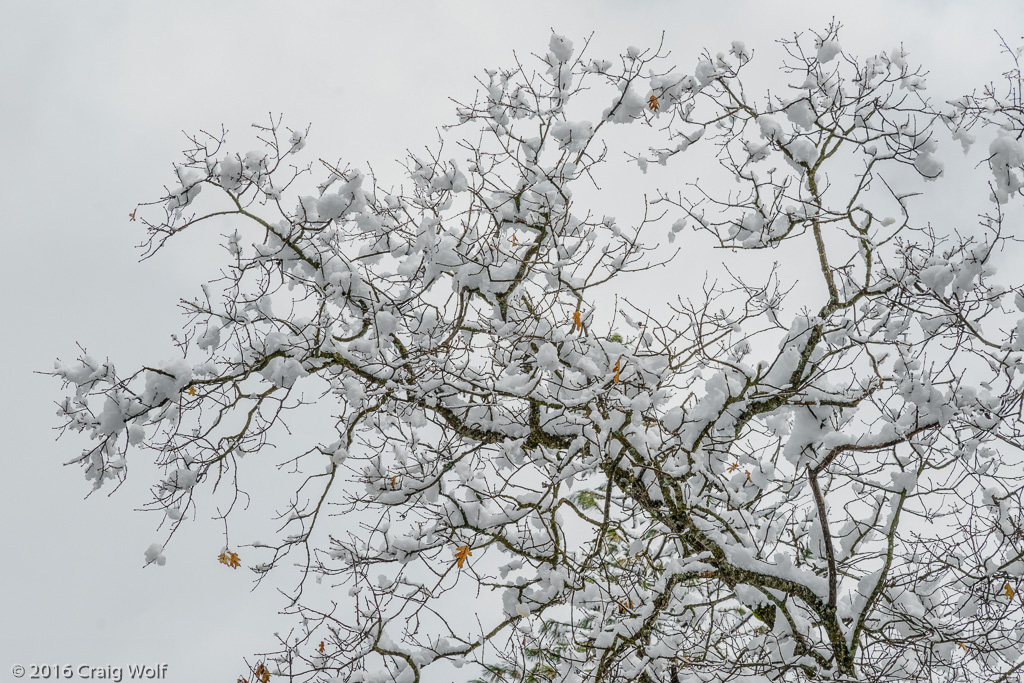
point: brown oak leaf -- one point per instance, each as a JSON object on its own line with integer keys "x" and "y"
{"x": 230, "y": 559}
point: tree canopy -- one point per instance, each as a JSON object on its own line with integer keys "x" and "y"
{"x": 805, "y": 470}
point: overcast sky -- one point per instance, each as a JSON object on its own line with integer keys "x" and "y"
{"x": 96, "y": 95}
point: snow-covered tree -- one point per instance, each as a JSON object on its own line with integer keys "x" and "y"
{"x": 807, "y": 467}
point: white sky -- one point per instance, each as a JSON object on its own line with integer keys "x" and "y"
{"x": 96, "y": 95}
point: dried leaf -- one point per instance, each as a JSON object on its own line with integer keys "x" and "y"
{"x": 652, "y": 103}
{"x": 192, "y": 391}
{"x": 515, "y": 242}
{"x": 230, "y": 559}
{"x": 1008, "y": 591}
{"x": 577, "y": 322}
{"x": 321, "y": 648}
{"x": 461, "y": 554}
{"x": 618, "y": 369}
{"x": 262, "y": 674}
{"x": 132, "y": 215}
{"x": 707, "y": 574}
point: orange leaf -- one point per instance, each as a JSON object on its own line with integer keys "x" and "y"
{"x": 192, "y": 391}
{"x": 618, "y": 369}
{"x": 652, "y": 103}
{"x": 230, "y": 559}
{"x": 514, "y": 242}
{"x": 262, "y": 673}
{"x": 321, "y": 648}
{"x": 132, "y": 215}
{"x": 577, "y": 322}
{"x": 733, "y": 467}
{"x": 1008, "y": 591}
{"x": 962, "y": 646}
{"x": 748, "y": 476}
{"x": 461, "y": 554}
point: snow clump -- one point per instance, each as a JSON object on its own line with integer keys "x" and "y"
{"x": 155, "y": 553}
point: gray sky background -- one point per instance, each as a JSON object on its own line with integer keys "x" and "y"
{"x": 96, "y": 95}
